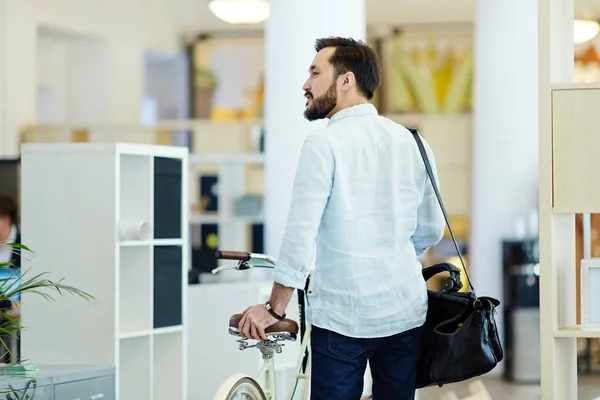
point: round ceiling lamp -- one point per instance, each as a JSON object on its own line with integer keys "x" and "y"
{"x": 584, "y": 30}
{"x": 240, "y": 11}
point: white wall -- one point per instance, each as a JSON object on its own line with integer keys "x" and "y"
{"x": 161, "y": 33}
{"x": 72, "y": 72}
{"x": 127, "y": 27}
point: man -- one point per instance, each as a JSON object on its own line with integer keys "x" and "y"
{"x": 362, "y": 195}
{"x": 9, "y": 233}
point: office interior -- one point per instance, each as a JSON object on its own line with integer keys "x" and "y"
{"x": 139, "y": 137}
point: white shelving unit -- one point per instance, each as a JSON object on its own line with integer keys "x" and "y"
{"x": 569, "y": 184}
{"x": 76, "y": 198}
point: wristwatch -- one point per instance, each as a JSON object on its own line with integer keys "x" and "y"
{"x": 273, "y": 313}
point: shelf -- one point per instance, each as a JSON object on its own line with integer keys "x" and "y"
{"x": 134, "y": 290}
{"x": 170, "y": 329}
{"x": 156, "y": 242}
{"x": 576, "y": 86}
{"x": 242, "y": 158}
{"x": 135, "y": 243}
{"x": 135, "y": 374}
{"x": 168, "y": 242}
{"x": 168, "y": 366}
{"x": 576, "y": 332}
{"x": 135, "y": 334}
{"x": 205, "y": 219}
{"x": 135, "y": 187}
{"x": 215, "y": 219}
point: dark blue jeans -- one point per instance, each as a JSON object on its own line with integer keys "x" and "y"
{"x": 339, "y": 363}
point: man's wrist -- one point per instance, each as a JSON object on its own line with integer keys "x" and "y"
{"x": 273, "y": 312}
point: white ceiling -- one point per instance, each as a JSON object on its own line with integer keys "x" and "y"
{"x": 193, "y": 16}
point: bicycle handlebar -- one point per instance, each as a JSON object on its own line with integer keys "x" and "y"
{"x": 245, "y": 260}
{"x": 232, "y": 255}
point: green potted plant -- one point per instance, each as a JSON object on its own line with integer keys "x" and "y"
{"x": 204, "y": 88}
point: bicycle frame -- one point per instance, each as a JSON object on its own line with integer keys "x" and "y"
{"x": 306, "y": 375}
{"x": 267, "y": 373}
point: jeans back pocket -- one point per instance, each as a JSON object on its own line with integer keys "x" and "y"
{"x": 347, "y": 347}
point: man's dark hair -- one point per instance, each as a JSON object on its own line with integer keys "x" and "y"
{"x": 354, "y": 56}
{"x": 8, "y": 207}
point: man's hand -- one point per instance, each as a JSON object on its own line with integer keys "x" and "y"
{"x": 254, "y": 322}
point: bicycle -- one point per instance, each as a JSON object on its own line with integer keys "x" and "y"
{"x": 247, "y": 387}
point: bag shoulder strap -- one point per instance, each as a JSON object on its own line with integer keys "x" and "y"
{"x": 417, "y": 137}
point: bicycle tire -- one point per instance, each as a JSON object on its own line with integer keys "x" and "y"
{"x": 238, "y": 385}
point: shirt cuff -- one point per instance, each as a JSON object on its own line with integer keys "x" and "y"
{"x": 287, "y": 276}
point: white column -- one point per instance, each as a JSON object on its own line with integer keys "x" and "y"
{"x": 557, "y": 231}
{"x": 505, "y": 135}
{"x": 290, "y": 32}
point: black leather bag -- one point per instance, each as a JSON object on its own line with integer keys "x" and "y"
{"x": 460, "y": 337}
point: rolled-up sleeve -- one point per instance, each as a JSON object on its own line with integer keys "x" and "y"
{"x": 310, "y": 193}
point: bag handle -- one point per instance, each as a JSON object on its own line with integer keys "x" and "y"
{"x": 452, "y": 284}
{"x": 417, "y": 137}
{"x": 429, "y": 272}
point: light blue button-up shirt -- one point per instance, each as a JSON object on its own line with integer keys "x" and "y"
{"x": 362, "y": 202}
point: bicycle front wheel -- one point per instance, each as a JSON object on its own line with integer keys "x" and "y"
{"x": 246, "y": 388}
{"x": 240, "y": 387}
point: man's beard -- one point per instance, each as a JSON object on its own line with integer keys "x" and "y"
{"x": 322, "y": 106}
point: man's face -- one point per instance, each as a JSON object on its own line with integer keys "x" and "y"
{"x": 320, "y": 88}
{"x": 5, "y": 226}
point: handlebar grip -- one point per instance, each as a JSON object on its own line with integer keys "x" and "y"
{"x": 232, "y": 255}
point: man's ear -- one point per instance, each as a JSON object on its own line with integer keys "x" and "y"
{"x": 348, "y": 81}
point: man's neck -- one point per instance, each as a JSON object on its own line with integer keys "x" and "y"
{"x": 347, "y": 104}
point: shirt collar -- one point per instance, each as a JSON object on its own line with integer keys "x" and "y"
{"x": 354, "y": 111}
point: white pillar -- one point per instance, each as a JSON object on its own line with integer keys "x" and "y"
{"x": 557, "y": 233}
{"x": 290, "y": 34}
{"x": 506, "y": 125}
{"x": 505, "y": 135}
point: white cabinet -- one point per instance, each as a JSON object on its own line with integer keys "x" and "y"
{"x": 111, "y": 219}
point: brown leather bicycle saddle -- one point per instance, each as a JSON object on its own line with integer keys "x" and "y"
{"x": 285, "y": 325}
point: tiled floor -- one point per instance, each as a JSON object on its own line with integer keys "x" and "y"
{"x": 499, "y": 389}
